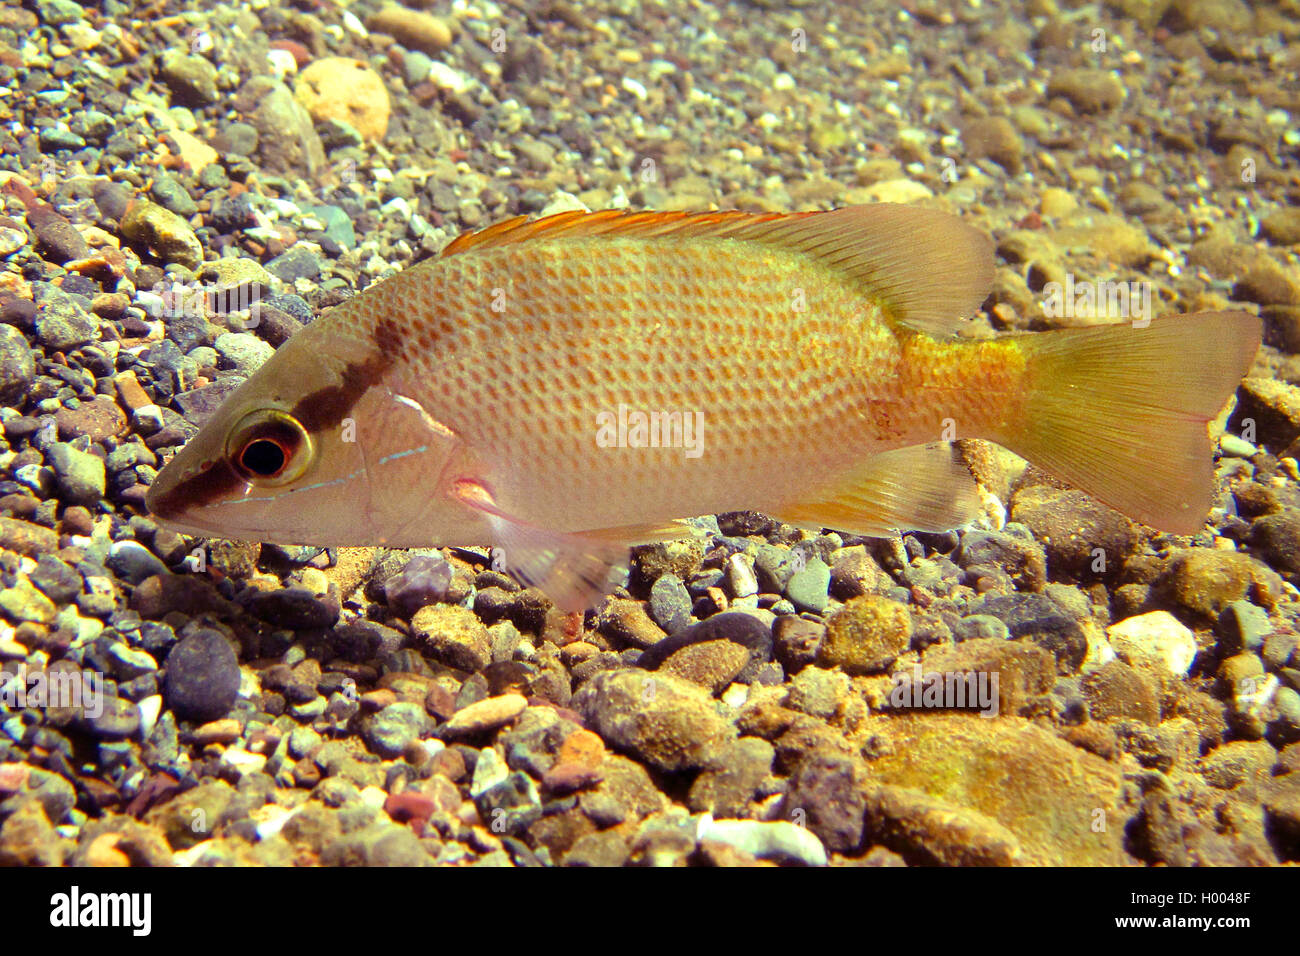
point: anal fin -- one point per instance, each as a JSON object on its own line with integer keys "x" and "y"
{"x": 919, "y": 488}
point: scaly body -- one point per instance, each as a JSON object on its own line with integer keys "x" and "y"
{"x": 462, "y": 401}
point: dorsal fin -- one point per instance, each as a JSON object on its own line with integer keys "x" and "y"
{"x": 928, "y": 268}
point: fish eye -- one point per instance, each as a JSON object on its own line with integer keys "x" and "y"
{"x": 269, "y": 447}
{"x": 264, "y": 457}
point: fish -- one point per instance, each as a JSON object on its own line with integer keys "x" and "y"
{"x": 564, "y": 388}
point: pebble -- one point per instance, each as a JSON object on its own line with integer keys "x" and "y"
{"x": 714, "y": 652}
{"x": 1206, "y": 581}
{"x": 396, "y": 727}
{"x": 22, "y": 602}
{"x": 80, "y": 475}
{"x": 348, "y": 91}
{"x": 664, "y": 721}
{"x": 27, "y": 538}
{"x": 202, "y": 677}
{"x": 412, "y": 28}
{"x": 1157, "y": 641}
{"x": 287, "y": 141}
{"x": 866, "y": 635}
{"x": 1116, "y": 690}
{"x": 817, "y": 692}
{"x": 1083, "y": 538}
{"x": 447, "y": 78}
{"x": 1273, "y": 405}
{"x": 296, "y": 608}
{"x": 776, "y": 840}
{"x": 133, "y": 562}
{"x": 55, "y": 579}
{"x": 996, "y": 768}
{"x": 192, "y": 79}
{"x": 679, "y": 557}
{"x": 628, "y": 623}
{"x": 1277, "y": 536}
{"x": 163, "y": 232}
{"x": 1087, "y": 90}
{"x": 17, "y": 366}
{"x": 115, "y": 719}
{"x": 298, "y": 262}
{"x": 423, "y": 580}
{"x": 28, "y": 839}
{"x": 995, "y": 138}
{"x": 415, "y": 67}
{"x": 484, "y": 715}
{"x": 510, "y": 806}
{"x": 809, "y": 587}
{"x": 1038, "y": 619}
{"x": 243, "y": 351}
{"x": 1025, "y": 673}
{"x": 56, "y": 237}
{"x": 61, "y": 323}
{"x": 453, "y": 635}
{"x": 670, "y": 603}
{"x": 338, "y": 227}
{"x": 1243, "y": 627}
{"x": 171, "y": 195}
{"x": 489, "y": 771}
{"x": 1282, "y": 226}
{"x": 827, "y": 794}
{"x": 795, "y": 641}
{"x": 11, "y": 240}
{"x": 98, "y": 419}
{"x": 741, "y": 581}
{"x": 930, "y": 831}
{"x": 980, "y": 627}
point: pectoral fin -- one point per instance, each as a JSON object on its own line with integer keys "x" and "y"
{"x": 575, "y": 570}
{"x": 921, "y": 488}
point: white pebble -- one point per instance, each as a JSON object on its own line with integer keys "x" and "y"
{"x": 148, "y": 418}
{"x": 1236, "y": 447}
{"x": 635, "y": 88}
{"x": 151, "y": 302}
{"x": 351, "y": 21}
{"x": 150, "y": 709}
{"x": 397, "y": 206}
{"x": 779, "y": 839}
{"x": 282, "y": 62}
{"x": 446, "y": 78}
{"x": 1158, "y": 640}
{"x": 489, "y": 770}
{"x": 736, "y": 695}
{"x": 243, "y": 761}
{"x": 271, "y": 819}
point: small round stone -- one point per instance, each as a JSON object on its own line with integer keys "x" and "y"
{"x": 202, "y": 678}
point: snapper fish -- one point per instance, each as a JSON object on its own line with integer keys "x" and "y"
{"x": 567, "y": 387}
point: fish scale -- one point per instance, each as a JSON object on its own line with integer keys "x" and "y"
{"x": 747, "y": 343}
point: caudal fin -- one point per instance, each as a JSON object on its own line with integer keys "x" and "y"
{"x": 1121, "y": 412}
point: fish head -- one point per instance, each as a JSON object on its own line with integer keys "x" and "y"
{"x": 316, "y": 447}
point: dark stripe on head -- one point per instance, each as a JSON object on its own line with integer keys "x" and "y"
{"x": 203, "y": 488}
{"x": 326, "y": 407}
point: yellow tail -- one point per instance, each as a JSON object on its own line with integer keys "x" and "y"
{"x": 1121, "y": 412}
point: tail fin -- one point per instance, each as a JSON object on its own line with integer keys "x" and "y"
{"x": 1121, "y": 412}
